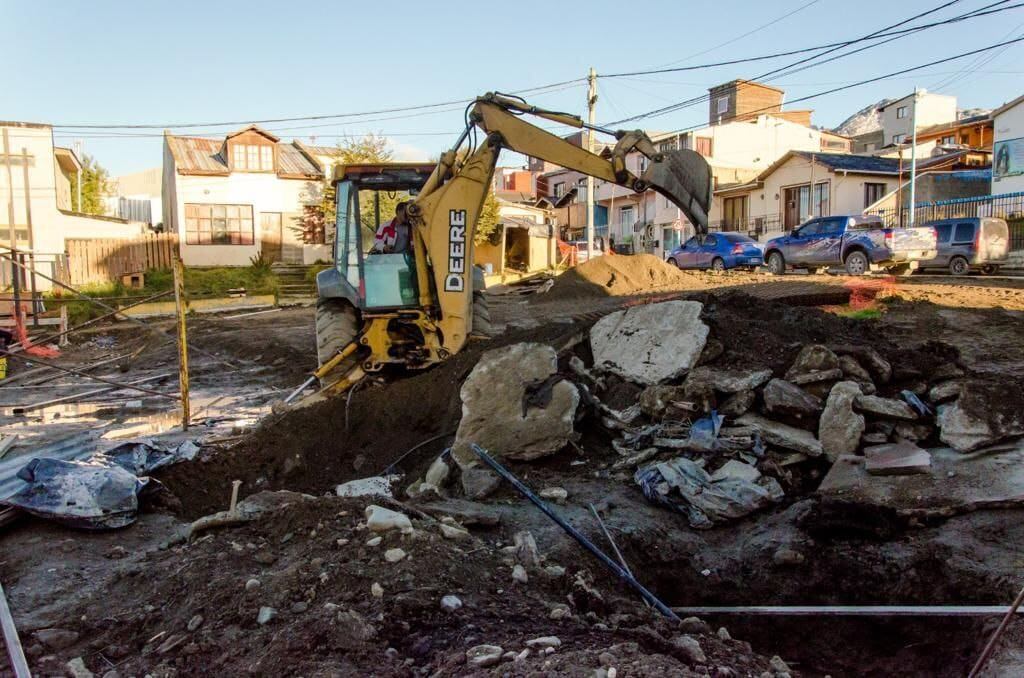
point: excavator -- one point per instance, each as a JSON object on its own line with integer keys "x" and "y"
{"x": 418, "y": 307}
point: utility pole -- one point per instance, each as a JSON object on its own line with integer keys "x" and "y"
{"x": 15, "y": 271}
{"x": 592, "y": 119}
{"x": 913, "y": 161}
{"x": 811, "y": 197}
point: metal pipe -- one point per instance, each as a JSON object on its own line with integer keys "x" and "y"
{"x": 87, "y": 376}
{"x": 851, "y": 610}
{"x": 574, "y": 533}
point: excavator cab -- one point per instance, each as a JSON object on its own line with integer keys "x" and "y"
{"x": 366, "y": 196}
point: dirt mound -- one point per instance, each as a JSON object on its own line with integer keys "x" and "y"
{"x": 622, "y": 275}
{"x": 312, "y": 565}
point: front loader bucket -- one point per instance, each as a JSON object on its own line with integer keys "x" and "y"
{"x": 684, "y": 177}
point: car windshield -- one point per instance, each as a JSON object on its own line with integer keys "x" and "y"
{"x": 738, "y": 237}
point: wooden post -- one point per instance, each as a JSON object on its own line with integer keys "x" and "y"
{"x": 10, "y": 632}
{"x": 179, "y": 303}
{"x": 31, "y": 239}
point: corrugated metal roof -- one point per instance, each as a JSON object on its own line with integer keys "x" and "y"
{"x": 202, "y": 155}
{"x": 854, "y": 163}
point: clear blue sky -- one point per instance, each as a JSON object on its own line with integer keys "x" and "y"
{"x": 143, "y": 62}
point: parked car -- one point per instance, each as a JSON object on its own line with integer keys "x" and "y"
{"x": 717, "y": 251}
{"x": 582, "y": 254}
{"x": 858, "y": 243}
{"x": 970, "y": 244}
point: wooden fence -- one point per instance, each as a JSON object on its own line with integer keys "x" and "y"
{"x": 106, "y": 260}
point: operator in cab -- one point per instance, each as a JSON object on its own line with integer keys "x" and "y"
{"x": 395, "y": 237}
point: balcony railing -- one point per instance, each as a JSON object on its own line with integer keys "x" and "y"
{"x": 766, "y": 225}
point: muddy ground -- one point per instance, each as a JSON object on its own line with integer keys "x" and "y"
{"x": 127, "y": 598}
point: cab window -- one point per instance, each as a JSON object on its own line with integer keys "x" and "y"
{"x": 710, "y": 241}
{"x": 810, "y": 228}
{"x": 691, "y": 243}
{"x": 943, "y": 231}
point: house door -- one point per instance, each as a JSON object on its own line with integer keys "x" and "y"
{"x": 791, "y": 216}
{"x": 270, "y": 235}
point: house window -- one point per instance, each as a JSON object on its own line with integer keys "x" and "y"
{"x": 734, "y": 212}
{"x": 821, "y": 192}
{"x": 581, "y": 190}
{"x": 642, "y": 164}
{"x": 901, "y": 112}
{"x": 667, "y": 146}
{"x": 873, "y": 193}
{"x": 626, "y": 216}
{"x": 723, "y": 105}
{"x": 870, "y": 146}
{"x": 951, "y": 139}
{"x": 559, "y": 189}
{"x": 898, "y": 138}
{"x": 703, "y": 146}
{"x": 253, "y": 158}
{"x": 218, "y": 224}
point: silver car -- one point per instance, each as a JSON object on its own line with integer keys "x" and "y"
{"x": 969, "y": 244}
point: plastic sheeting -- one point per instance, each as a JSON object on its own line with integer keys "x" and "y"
{"x": 683, "y": 486}
{"x": 99, "y": 494}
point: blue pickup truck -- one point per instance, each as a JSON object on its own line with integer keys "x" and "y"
{"x": 858, "y": 243}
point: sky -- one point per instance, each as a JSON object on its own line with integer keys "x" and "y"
{"x": 172, "y": 64}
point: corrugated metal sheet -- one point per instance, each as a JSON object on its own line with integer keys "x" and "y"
{"x": 292, "y": 161}
{"x": 203, "y": 155}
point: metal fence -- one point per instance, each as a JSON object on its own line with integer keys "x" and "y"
{"x": 765, "y": 226}
{"x": 1008, "y": 206}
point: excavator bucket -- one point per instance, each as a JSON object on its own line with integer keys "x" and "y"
{"x": 684, "y": 177}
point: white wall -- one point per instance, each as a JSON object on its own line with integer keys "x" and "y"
{"x": 1009, "y": 125}
{"x": 932, "y": 109}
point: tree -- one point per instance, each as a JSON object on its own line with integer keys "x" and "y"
{"x": 95, "y": 185}
{"x": 487, "y": 224}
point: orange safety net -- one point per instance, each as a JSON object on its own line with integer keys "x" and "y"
{"x": 21, "y": 336}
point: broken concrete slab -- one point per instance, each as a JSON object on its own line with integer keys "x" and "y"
{"x": 888, "y": 408}
{"x": 896, "y": 459}
{"x": 513, "y": 406}
{"x": 650, "y": 344}
{"x": 726, "y": 381}
{"x": 955, "y": 483}
{"x": 840, "y": 428}
{"x": 816, "y": 377}
{"x": 782, "y": 397}
{"x": 782, "y": 435}
{"x": 984, "y": 414}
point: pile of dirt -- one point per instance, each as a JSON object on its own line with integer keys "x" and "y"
{"x": 618, "y": 275}
{"x": 308, "y": 590}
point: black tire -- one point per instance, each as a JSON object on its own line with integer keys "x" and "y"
{"x": 673, "y": 263}
{"x": 990, "y": 269}
{"x": 959, "y": 266}
{"x": 337, "y": 325}
{"x": 481, "y": 316}
{"x": 857, "y": 263}
{"x": 718, "y": 264}
{"x": 776, "y": 263}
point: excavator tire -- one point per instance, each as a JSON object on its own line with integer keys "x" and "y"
{"x": 481, "y": 316}
{"x": 336, "y": 327}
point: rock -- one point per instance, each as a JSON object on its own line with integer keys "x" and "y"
{"x": 945, "y": 372}
{"x": 554, "y": 571}
{"x": 812, "y": 378}
{"x": 560, "y": 612}
{"x": 555, "y": 494}
{"x": 171, "y": 643}
{"x": 650, "y": 344}
{"x": 380, "y": 519}
{"x": 353, "y": 629}
{"x": 785, "y": 556}
{"x": 896, "y": 459}
{"x": 913, "y": 432}
{"x": 76, "y": 668}
{"x": 782, "y": 397}
{"x": 781, "y": 435}
{"x": 482, "y": 656}
{"x": 374, "y": 542}
{"x": 655, "y": 399}
{"x": 117, "y": 552}
{"x": 465, "y": 512}
{"x": 888, "y": 408}
{"x": 195, "y": 622}
{"x": 543, "y": 642}
{"x": 853, "y": 370}
{"x": 394, "y": 555}
{"x": 723, "y": 633}
{"x": 450, "y": 603}
{"x": 726, "y": 381}
{"x": 840, "y": 428}
{"x": 738, "y": 403}
{"x": 873, "y": 438}
{"x": 299, "y": 607}
{"x": 519, "y": 574}
{"x": 736, "y": 470}
{"x": 946, "y": 391}
{"x": 713, "y": 350}
{"x": 778, "y": 666}
{"x": 252, "y": 584}
{"x": 478, "y": 482}
{"x": 694, "y": 625}
{"x": 265, "y": 615}
{"x": 515, "y": 406}
{"x": 453, "y": 532}
{"x": 985, "y": 413}
{"x": 689, "y": 648}
{"x": 812, "y": 361}
{"x": 526, "y": 549}
{"x": 867, "y": 356}
{"x": 438, "y": 473}
{"x": 376, "y": 590}
{"x": 56, "y": 639}
{"x": 112, "y": 674}
{"x": 365, "y": 487}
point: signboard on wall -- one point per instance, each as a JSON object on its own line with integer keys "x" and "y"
{"x": 1008, "y": 158}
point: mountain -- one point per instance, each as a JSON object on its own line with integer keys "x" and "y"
{"x": 971, "y": 112}
{"x": 867, "y": 119}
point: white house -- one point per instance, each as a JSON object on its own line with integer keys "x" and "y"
{"x": 1008, "y": 148}
{"x": 35, "y": 185}
{"x": 235, "y": 198}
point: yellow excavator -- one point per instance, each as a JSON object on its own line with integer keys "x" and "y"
{"x": 416, "y": 308}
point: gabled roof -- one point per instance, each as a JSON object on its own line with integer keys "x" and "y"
{"x": 253, "y": 128}
{"x": 205, "y": 156}
{"x": 1007, "y": 106}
